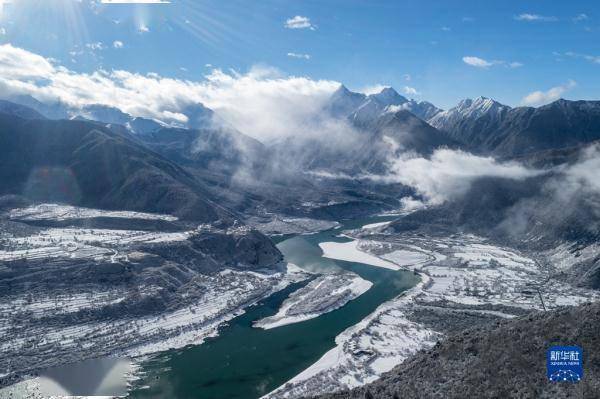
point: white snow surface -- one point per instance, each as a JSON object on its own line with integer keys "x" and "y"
{"x": 349, "y": 251}
{"x": 375, "y": 225}
{"x": 68, "y": 212}
{"x": 465, "y": 271}
{"x": 337, "y": 288}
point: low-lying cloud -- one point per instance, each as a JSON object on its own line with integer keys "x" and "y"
{"x": 448, "y": 174}
{"x": 570, "y": 190}
{"x": 262, "y": 103}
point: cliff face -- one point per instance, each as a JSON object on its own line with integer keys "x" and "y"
{"x": 502, "y": 360}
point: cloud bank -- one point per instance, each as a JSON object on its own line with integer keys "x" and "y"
{"x": 262, "y": 103}
{"x": 448, "y": 174}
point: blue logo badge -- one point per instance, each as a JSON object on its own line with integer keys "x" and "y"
{"x": 564, "y": 363}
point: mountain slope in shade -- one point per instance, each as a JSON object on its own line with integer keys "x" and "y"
{"x": 560, "y": 124}
{"x": 22, "y": 111}
{"x": 369, "y": 145}
{"x": 219, "y": 150}
{"x": 83, "y": 163}
{"x": 50, "y": 110}
{"x": 503, "y": 360}
{"x": 486, "y": 126}
{"x": 409, "y": 132}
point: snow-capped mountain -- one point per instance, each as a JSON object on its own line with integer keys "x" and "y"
{"x": 343, "y": 102}
{"x": 388, "y": 96}
{"x": 423, "y": 109}
{"x": 481, "y": 110}
{"x": 487, "y": 126}
{"x": 142, "y": 126}
{"x": 363, "y": 109}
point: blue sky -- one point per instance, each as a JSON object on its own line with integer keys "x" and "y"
{"x": 517, "y": 47}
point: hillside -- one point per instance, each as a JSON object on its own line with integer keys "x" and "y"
{"x": 506, "y": 359}
{"x": 83, "y": 163}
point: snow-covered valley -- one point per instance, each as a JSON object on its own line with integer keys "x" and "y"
{"x": 465, "y": 280}
{"x": 73, "y": 293}
{"x": 69, "y": 293}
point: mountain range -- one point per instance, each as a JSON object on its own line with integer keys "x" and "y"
{"x": 186, "y": 171}
{"x": 486, "y": 126}
{"x": 210, "y": 173}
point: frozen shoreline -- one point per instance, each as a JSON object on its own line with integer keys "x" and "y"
{"x": 322, "y": 295}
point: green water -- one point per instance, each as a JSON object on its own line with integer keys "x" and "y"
{"x": 245, "y": 362}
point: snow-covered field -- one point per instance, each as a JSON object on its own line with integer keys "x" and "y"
{"x": 79, "y": 243}
{"x": 375, "y": 225}
{"x": 460, "y": 275}
{"x": 66, "y": 212}
{"x": 350, "y": 252}
{"x": 109, "y": 292}
{"x": 322, "y": 295}
{"x": 278, "y": 225}
{"x": 225, "y": 296}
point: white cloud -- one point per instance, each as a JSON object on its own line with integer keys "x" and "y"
{"x": 591, "y": 58}
{"x": 262, "y": 103}
{"x": 582, "y": 175}
{"x": 373, "y": 89}
{"x": 481, "y": 63}
{"x": 543, "y": 97}
{"x": 118, "y": 44}
{"x": 19, "y": 64}
{"x": 535, "y": 17}
{"x": 448, "y": 174}
{"x": 298, "y": 55}
{"x": 95, "y": 46}
{"x": 299, "y": 22}
{"x": 446, "y": 29}
{"x": 135, "y": 1}
{"x": 411, "y": 91}
{"x": 580, "y": 17}
{"x": 477, "y": 62}
{"x": 407, "y": 77}
{"x": 143, "y": 29}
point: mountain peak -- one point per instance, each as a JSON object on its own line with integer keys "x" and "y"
{"x": 478, "y": 106}
{"x": 389, "y": 96}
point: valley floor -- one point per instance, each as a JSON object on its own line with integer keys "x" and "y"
{"x": 465, "y": 281}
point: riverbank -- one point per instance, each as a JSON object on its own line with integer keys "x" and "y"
{"x": 465, "y": 281}
{"x": 248, "y": 362}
